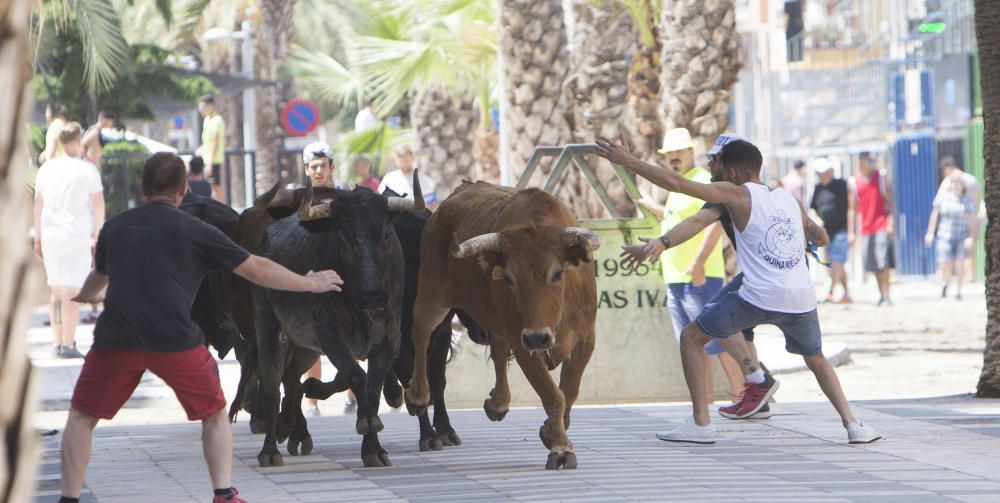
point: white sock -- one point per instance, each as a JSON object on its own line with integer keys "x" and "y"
{"x": 757, "y": 377}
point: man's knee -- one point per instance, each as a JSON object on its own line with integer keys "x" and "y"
{"x": 79, "y": 418}
{"x": 692, "y": 334}
{"x": 814, "y": 361}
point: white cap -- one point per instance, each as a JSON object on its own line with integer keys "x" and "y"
{"x": 723, "y": 140}
{"x": 822, "y": 165}
{"x": 676, "y": 139}
{"x": 316, "y": 149}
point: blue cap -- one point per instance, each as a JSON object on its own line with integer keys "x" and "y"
{"x": 723, "y": 140}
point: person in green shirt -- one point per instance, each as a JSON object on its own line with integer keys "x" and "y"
{"x": 213, "y": 142}
{"x": 694, "y": 271}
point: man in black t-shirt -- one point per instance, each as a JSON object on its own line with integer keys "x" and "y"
{"x": 196, "y": 177}
{"x": 152, "y": 260}
{"x": 831, "y": 203}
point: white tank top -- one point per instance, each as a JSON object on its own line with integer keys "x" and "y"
{"x": 772, "y": 254}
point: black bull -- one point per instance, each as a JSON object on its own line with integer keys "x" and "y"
{"x": 254, "y": 226}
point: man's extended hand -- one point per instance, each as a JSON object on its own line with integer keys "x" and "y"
{"x": 697, "y": 273}
{"x": 617, "y": 153}
{"x": 637, "y": 253}
{"x": 325, "y": 281}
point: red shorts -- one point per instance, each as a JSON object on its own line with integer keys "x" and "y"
{"x": 109, "y": 377}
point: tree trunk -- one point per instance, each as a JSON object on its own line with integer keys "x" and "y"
{"x": 486, "y": 151}
{"x": 534, "y": 66}
{"x": 20, "y": 288}
{"x": 644, "y": 124}
{"x": 700, "y": 62}
{"x": 272, "y": 45}
{"x": 603, "y": 40}
{"x": 445, "y": 129}
{"x": 988, "y": 41}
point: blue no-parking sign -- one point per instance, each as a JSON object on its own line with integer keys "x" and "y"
{"x": 299, "y": 117}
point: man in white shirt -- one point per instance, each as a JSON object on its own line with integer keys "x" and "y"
{"x": 366, "y": 119}
{"x": 400, "y": 181}
{"x": 949, "y": 169}
{"x": 69, "y": 212}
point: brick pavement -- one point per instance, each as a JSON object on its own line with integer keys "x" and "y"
{"x": 936, "y": 450}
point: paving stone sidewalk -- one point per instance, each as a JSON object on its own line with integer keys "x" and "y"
{"x": 945, "y": 449}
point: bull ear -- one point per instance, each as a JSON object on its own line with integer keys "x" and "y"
{"x": 580, "y": 245}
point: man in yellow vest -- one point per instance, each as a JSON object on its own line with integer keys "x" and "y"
{"x": 694, "y": 270}
{"x": 213, "y": 143}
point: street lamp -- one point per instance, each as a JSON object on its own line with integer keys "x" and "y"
{"x": 249, "y": 105}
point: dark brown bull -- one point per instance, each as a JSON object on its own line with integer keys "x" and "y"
{"x": 520, "y": 265}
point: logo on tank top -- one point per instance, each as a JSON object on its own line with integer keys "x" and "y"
{"x": 781, "y": 247}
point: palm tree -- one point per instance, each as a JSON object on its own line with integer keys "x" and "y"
{"x": 700, "y": 62}
{"x": 988, "y": 42}
{"x": 644, "y": 121}
{"x": 437, "y": 56}
{"x": 535, "y": 65}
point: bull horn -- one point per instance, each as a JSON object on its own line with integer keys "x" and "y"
{"x": 418, "y": 193}
{"x": 573, "y": 236}
{"x": 401, "y": 204}
{"x": 309, "y": 212}
{"x": 477, "y": 245}
{"x": 264, "y": 200}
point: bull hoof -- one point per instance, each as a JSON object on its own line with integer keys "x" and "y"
{"x": 369, "y": 425}
{"x": 566, "y": 460}
{"x": 306, "y": 443}
{"x": 493, "y": 412}
{"x": 449, "y": 439}
{"x": 415, "y": 404}
{"x": 257, "y": 426}
{"x": 393, "y": 394}
{"x": 377, "y": 460}
{"x": 265, "y": 459}
{"x": 431, "y": 444}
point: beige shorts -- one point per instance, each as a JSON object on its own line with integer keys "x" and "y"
{"x": 67, "y": 262}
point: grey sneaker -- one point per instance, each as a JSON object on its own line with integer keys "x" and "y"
{"x": 69, "y": 352}
{"x": 313, "y": 411}
{"x": 689, "y": 432}
{"x": 861, "y": 433}
{"x": 57, "y": 351}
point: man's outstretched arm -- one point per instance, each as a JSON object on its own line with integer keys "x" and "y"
{"x": 270, "y": 274}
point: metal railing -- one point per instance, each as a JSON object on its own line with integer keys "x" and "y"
{"x": 575, "y": 154}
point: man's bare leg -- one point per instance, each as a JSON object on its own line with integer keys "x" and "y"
{"x": 882, "y": 278}
{"x": 75, "y": 452}
{"x": 217, "y": 444}
{"x": 695, "y": 361}
{"x": 733, "y": 372}
{"x": 826, "y": 376}
{"x": 70, "y": 316}
{"x": 55, "y": 316}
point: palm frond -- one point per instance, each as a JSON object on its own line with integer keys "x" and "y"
{"x": 191, "y": 18}
{"x": 644, "y": 14}
{"x": 166, "y": 9}
{"x": 378, "y": 142}
{"x": 105, "y": 51}
{"x": 329, "y": 78}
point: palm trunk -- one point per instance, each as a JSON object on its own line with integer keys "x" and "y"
{"x": 535, "y": 63}
{"x": 486, "y": 150}
{"x": 445, "y": 130}
{"x": 20, "y": 288}
{"x": 700, "y": 62}
{"x": 273, "y": 42}
{"x": 988, "y": 41}
{"x": 644, "y": 124}
{"x": 603, "y": 40}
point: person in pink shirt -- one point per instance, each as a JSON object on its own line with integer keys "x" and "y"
{"x": 363, "y": 170}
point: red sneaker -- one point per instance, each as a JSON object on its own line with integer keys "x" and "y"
{"x": 755, "y": 397}
{"x": 234, "y": 498}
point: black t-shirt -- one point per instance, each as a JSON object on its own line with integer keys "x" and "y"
{"x": 725, "y": 219}
{"x": 201, "y": 187}
{"x": 155, "y": 257}
{"x": 830, "y": 201}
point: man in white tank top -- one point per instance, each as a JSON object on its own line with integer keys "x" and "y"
{"x": 770, "y": 230}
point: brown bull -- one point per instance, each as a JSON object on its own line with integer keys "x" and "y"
{"x": 517, "y": 261}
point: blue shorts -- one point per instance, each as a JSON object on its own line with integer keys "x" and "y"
{"x": 686, "y": 301}
{"x": 731, "y": 314}
{"x": 734, "y": 286}
{"x": 836, "y": 251}
{"x": 950, "y": 249}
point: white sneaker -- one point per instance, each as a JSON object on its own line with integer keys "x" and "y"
{"x": 689, "y": 432}
{"x": 861, "y": 433}
{"x": 313, "y": 411}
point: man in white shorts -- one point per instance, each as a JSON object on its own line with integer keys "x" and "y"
{"x": 69, "y": 212}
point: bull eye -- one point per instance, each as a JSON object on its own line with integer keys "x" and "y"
{"x": 557, "y": 276}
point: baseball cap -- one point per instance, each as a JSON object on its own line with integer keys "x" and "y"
{"x": 822, "y": 165}
{"x": 723, "y": 140}
{"x": 676, "y": 139}
{"x": 314, "y": 150}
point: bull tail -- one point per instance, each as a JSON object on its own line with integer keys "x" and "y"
{"x": 248, "y": 375}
